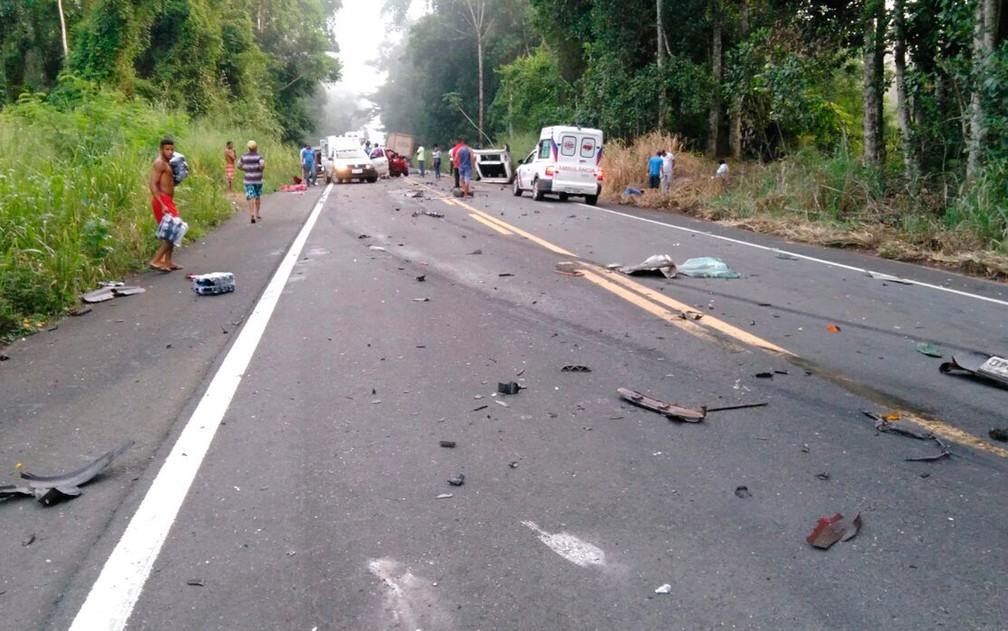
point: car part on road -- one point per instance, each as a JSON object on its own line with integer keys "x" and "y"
{"x": 742, "y": 492}
{"x": 928, "y": 349}
{"x": 575, "y": 368}
{"x": 447, "y": 444}
{"x": 108, "y": 291}
{"x": 883, "y": 424}
{"x": 989, "y": 367}
{"x": 654, "y": 264}
{"x": 510, "y": 387}
{"x": 829, "y": 530}
{"x": 832, "y": 328}
{"x": 668, "y": 409}
{"x": 213, "y": 284}
{"x": 49, "y": 490}
{"x": 887, "y": 278}
{"x": 457, "y": 479}
{"x": 707, "y": 267}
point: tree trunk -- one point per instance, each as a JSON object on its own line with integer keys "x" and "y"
{"x": 63, "y": 33}
{"x": 477, "y": 17}
{"x": 714, "y": 117}
{"x": 985, "y": 21}
{"x": 661, "y": 65}
{"x": 874, "y": 29}
{"x": 735, "y": 129}
{"x": 910, "y": 165}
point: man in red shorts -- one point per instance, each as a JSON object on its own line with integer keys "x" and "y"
{"x": 162, "y": 188}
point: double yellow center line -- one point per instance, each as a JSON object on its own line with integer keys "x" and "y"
{"x": 710, "y": 329}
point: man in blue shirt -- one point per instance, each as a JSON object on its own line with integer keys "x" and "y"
{"x": 654, "y": 170}
{"x": 307, "y": 163}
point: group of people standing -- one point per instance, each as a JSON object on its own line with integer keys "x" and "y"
{"x": 660, "y": 168}
{"x": 461, "y": 158}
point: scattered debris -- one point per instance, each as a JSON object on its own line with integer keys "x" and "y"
{"x": 999, "y": 433}
{"x": 421, "y": 300}
{"x": 49, "y": 490}
{"x": 501, "y": 403}
{"x": 764, "y": 375}
{"x": 742, "y": 492}
{"x": 707, "y": 267}
{"x": 477, "y": 251}
{"x": 668, "y": 409}
{"x": 421, "y": 278}
{"x": 823, "y": 476}
{"x": 928, "y": 349}
{"x": 376, "y": 248}
{"x": 482, "y": 407}
{"x": 213, "y": 284}
{"x": 109, "y": 290}
{"x": 4, "y": 358}
{"x": 196, "y": 582}
{"x": 887, "y": 278}
{"x": 444, "y": 496}
{"x": 786, "y": 256}
{"x": 575, "y": 368}
{"x": 989, "y": 367}
{"x": 829, "y": 530}
{"x": 510, "y": 387}
{"x": 81, "y": 311}
{"x": 447, "y": 444}
{"x": 363, "y": 236}
{"x": 832, "y": 328}
{"x": 457, "y": 479}
{"x": 27, "y": 541}
{"x": 417, "y": 193}
{"x": 654, "y": 264}
{"x": 944, "y": 454}
{"x": 664, "y": 589}
{"x": 513, "y": 464}
{"x": 433, "y": 213}
{"x": 884, "y": 424}
{"x": 740, "y": 406}
{"x": 520, "y": 373}
{"x": 504, "y": 274}
{"x": 567, "y": 267}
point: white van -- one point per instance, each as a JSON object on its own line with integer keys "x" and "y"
{"x": 566, "y": 162}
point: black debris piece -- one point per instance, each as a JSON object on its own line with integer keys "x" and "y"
{"x": 363, "y": 236}
{"x": 823, "y": 476}
{"x": 575, "y": 368}
{"x": 740, "y": 406}
{"x": 989, "y": 367}
{"x": 457, "y": 480}
{"x": 510, "y": 387}
{"x": 999, "y": 433}
{"x": 476, "y": 251}
{"x": 52, "y": 489}
{"x": 505, "y": 274}
{"x": 944, "y": 454}
{"x": 27, "y": 541}
{"x": 421, "y": 278}
{"x": 742, "y": 492}
{"x": 196, "y": 582}
{"x": 80, "y": 311}
{"x": 447, "y": 444}
{"x": 513, "y": 464}
{"x": 4, "y": 358}
{"x": 764, "y": 375}
{"x": 482, "y": 407}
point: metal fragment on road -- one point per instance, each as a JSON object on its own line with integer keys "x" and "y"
{"x": 444, "y": 496}
{"x": 989, "y": 367}
{"x": 829, "y": 530}
{"x": 457, "y": 479}
{"x": 376, "y": 248}
{"x": 654, "y": 264}
{"x": 668, "y": 409}
{"x": 887, "y": 278}
{"x": 52, "y": 489}
{"x": 510, "y": 387}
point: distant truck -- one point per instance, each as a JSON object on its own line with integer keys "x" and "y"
{"x": 403, "y": 144}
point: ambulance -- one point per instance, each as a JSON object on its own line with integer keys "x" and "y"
{"x": 567, "y": 162}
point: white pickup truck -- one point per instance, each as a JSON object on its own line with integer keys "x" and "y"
{"x": 566, "y": 162}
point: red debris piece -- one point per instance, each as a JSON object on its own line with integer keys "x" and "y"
{"x": 829, "y": 530}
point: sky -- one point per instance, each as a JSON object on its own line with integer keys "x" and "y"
{"x": 361, "y": 30}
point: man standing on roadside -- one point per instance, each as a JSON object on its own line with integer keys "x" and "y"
{"x": 454, "y": 160}
{"x": 464, "y": 159}
{"x": 307, "y": 163}
{"x": 654, "y": 170}
{"x": 252, "y": 165}
{"x": 668, "y": 163}
{"x": 421, "y": 160}
{"x": 436, "y": 156}
{"x": 229, "y": 165}
{"x": 162, "y": 188}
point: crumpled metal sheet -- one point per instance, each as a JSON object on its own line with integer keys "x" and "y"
{"x": 990, "y": 367}
{"x": 656, "y": 263}
{"x": 829, "y": 530}
{"x": 52, "y": 489}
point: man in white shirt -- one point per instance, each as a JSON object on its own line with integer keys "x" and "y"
{"x": 668, "y": 162}
{"x": 722, "y": 170}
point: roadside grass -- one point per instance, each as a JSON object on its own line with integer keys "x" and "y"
{"x": 829, "y": 200}
{"x": 74, "y": 204}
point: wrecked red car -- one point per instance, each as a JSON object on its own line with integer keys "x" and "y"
{"x": 397, "y": 164}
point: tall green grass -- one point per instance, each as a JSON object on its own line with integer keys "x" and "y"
{"x": 74, "y": 203}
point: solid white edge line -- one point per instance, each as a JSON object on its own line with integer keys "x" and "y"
{"x": 110, "y": 602}
{"x": 813, "y": 259}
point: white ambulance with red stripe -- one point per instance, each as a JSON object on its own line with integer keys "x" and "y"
{"x": 566, "y": 162}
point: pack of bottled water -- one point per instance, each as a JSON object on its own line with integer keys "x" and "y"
{"x": 214, "y": 283}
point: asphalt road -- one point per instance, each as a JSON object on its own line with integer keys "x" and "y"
{"x": 317, "y": 505}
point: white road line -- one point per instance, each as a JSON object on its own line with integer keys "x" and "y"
{"x": 813, "y": 259}
{"x": 111, "y": 600}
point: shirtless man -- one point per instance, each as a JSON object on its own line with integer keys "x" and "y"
{"x": 229, "y": 164}
{"x": 162, "y": 188}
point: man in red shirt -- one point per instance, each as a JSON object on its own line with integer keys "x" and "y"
{"x": 454, "y": 159}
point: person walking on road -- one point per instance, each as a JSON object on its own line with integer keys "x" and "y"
{"x": 162, "y": 188}
{"x": 654, "y": 170}
{"x": 464, "y": 160}
{"x": 252, "y": 165}
{"x": 420, "y": 160}
{"x": 229, "y": 165}
{"x": 436, "y": 157}
{"x": 307, "y": 164}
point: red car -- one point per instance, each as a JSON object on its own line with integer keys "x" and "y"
{"x": 397, "y": 164}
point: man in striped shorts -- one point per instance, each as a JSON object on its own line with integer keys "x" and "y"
{"x": 252, "y": 165}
